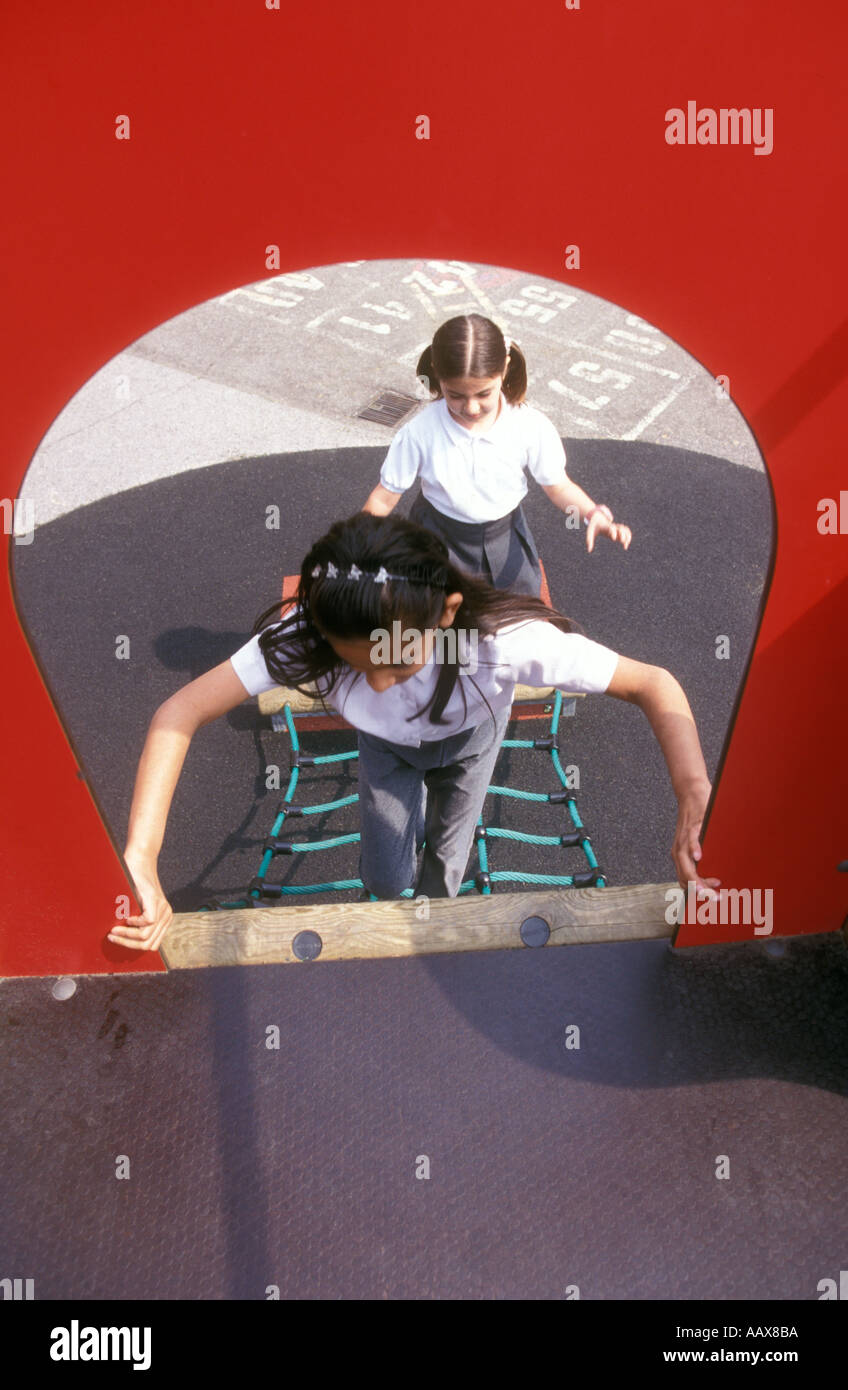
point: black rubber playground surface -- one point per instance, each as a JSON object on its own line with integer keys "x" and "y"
{"x": 253, "y": 1166}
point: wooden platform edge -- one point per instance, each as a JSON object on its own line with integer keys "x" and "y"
{"x": 373, "y": 931}
{"x": 272, "y": 701}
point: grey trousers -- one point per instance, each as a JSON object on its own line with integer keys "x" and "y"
{"x": 435, "y": 792}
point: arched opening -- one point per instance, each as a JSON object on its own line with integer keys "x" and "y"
{"x": 188, "y": 476}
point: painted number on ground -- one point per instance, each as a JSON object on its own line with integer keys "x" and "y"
{"x": 537, "y": 302}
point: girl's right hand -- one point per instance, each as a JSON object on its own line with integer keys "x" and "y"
{"x": 602, "y": 525}
{"x": 144, "y": 932}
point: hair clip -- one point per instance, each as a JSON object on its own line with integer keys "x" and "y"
{"x": 382, "y": 576}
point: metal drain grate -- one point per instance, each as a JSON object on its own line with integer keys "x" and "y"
{"x": 389, "y": 408}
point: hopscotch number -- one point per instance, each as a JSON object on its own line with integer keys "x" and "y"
{"x": 461, "y": 268}
{"x": 281, "y": 292}
{"x": 392, "y": 307}
{"x": 543, "y": 296}
{"x": 445, "y": 287}
{"x": 639, "y": 342}
{"x": 539, "y": 297}
{"x": 300, "y": 279}
{"x": 600, "y": 376}
{"x": 280, "y": 299}
{"x": 271, "y": 298}
{"x": 363, "y": 323}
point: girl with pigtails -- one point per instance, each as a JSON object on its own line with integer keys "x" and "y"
{"x": 429, "y": 729}
{"x": 471, "y": 447}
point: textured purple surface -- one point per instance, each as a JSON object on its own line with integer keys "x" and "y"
{"x": 549, "y": 1167}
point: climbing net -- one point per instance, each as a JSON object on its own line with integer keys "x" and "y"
{"x": 574, "y": 837}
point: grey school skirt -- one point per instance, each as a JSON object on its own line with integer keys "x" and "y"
{"x": 503, "y": 551}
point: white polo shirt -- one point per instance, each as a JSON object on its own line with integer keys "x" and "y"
{"x": 529, "y": 652}
{"x": 474, "y": 477}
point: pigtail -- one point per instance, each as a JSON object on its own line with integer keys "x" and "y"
{"x": 426, "y": 370}
{"x": 515, "y": 381}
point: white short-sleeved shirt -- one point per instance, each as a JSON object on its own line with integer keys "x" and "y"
{"x": 531, "y": 653}
{"x": 474, "y": 477}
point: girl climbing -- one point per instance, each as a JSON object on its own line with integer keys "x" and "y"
{"x": 471, "y": 447}
{"x": 429, "y": 730}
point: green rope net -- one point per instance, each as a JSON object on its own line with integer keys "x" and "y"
{"x": 577, "y": 838}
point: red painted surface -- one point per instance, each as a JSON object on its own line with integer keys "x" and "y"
{"x": 296, "y": 126}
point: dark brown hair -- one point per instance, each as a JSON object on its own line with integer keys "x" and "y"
{"x": 472, "y": 345}
{"x": 296, "y": 649}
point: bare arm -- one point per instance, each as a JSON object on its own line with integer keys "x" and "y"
{"x": 381, "y": 501}
{"x": 664, "y": 703}
{"x": 568, "y": 494}
{"x": 171, "y": 731}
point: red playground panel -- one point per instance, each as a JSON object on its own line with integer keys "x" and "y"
{"x": 334, "y": 721}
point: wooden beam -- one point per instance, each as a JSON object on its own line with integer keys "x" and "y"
{"x": 368, "y": 931}
{"x": 272, "y": 701}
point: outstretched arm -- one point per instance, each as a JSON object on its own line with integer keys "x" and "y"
{"x": 171, "y": 731}
{"x": 381, "y": 501}
{"x": 661, "y": 697}
{"x": 568, "y": 494}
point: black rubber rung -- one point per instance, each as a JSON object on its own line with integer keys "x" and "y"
{"x": 268, "y": 890}
{"x": 482, "y": 881}
{"x": 277, "y": 846}
{"x": 292, "y": 810}
{"x": 479, "y": 833}
{"x": 559, "y": 798}
{"x": 587, "y": 879}
{"x": 547, "y": 743}
{"x": 572, "y": 838}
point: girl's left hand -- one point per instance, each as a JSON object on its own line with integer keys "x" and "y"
{"x": 686, "y": 850}
{"x": 145, "y": 931}
{"x": 600, "y": 525}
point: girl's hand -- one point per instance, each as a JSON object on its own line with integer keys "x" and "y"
{"x": 686, "y": 850}
{"x": 145, "y": 932}
{"x": 171, "y": 730}
{"x": 601, "y": 524}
